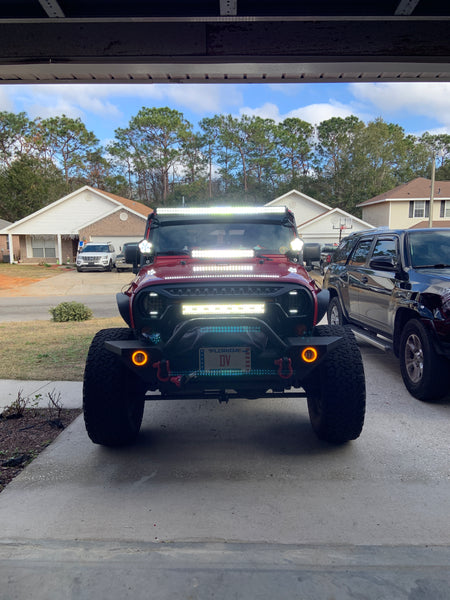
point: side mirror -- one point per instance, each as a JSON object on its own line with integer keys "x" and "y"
{"x": 311, "y": 253}
{"x": 133, "y": 256}
{"x": 383, "y": 263}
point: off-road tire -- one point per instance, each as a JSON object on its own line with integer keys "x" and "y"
{"x": 113, "y": 398}
{"x": 336, "y": 390}
{"x": 424, "y": 371}
{"x": 335, "y": 315}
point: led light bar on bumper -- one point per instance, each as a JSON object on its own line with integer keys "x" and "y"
{"x": 223, "y": 309}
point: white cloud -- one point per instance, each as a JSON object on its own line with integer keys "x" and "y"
{"x": 316, "y": 113}
{"x": 114, "y": 103}
{"x": 266, "y": 111}
{"x": 6, "y": 103}
{"x": 312, "y": 113}
{"x": 422, "y": 99}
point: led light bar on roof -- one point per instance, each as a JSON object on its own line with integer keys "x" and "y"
{"x": 223, "y": 210}
{"x": 217, "y": 253}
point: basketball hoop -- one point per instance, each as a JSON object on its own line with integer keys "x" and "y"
{"x": 342, "y": 223}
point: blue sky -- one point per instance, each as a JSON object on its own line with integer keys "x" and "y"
{"x": 417, "y": 107}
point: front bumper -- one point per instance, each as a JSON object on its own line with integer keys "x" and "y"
{"x": 175, "y": 365}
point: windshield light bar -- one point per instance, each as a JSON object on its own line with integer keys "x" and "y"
{"x": 216, "y": 253}
{"x": 223, "y": 210}
{"x": 223, "y": 309}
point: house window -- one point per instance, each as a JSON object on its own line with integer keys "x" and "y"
{"x": 419, "y": 208}
{"x": 447, "y": 208}
{"x": 43, "y": 247}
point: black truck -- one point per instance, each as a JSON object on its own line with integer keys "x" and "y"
{"x": 393, "y": 288}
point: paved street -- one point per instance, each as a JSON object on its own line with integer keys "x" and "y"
{"x": 97, "y": 290}
{"x": 239, "y": 501}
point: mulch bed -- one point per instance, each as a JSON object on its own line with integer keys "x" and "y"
{"x": 24, "y": 436}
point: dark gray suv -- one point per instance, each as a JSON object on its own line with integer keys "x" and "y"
{"x": 393, "y": 288}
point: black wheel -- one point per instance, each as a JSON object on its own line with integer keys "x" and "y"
{"x": 109, "y": 267}
{"x": 334, "y": 313}
{"x": 79, "y": 270}
{"x": 113, "y": 398}
{"x": 336, "y": 391}
{"x": 424, "y": 371}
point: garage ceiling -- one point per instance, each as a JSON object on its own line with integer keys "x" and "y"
{"x": 217, "y": 41}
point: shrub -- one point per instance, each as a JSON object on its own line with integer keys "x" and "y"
{"x": 70, "y": 311}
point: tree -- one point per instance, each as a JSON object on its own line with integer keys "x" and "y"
{"x": 337, "y": 142}
{"x": 211, "y": 128}
{"x": 295, "y": 147}
{"x": 28, "y": 185}
{"x": 64, "y": 141}
{"x": 156, "y": 136}
{"x": 14, "y": 129}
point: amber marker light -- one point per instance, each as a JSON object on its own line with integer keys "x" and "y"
{"x": 309, "y": 354}
{"x": 139, "y": 358}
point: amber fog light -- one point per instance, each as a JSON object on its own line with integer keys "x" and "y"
{"x": 309, "y": 354}
{"x": 139, "y": 358}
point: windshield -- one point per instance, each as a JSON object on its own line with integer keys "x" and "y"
{"x": 267, "y": 238}
{"x": 95, "y": 248}
{"x": 429, "y": 248}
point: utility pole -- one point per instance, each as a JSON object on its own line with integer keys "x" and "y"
{"x": 433, "y": 169}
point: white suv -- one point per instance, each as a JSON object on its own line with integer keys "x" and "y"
{"x": 96, "y": 256}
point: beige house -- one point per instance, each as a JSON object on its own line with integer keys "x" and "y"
{"x": 5, "y": 250}
{"x": 53, "y": 233}
{"x": 318, "y": 222}
{"x": 408, "y": 205}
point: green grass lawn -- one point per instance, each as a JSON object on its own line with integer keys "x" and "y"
{"x": 44, "y": 350}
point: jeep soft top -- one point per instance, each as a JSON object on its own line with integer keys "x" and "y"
{"x": 222, "y": 306}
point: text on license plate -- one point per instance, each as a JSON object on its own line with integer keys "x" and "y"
{"x": 236, "y": 359}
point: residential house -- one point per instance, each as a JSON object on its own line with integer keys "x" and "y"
{"x": 318, "y": 222}
{"x": 53, "y": 233}
{"x": 408, "y": 205}
{"x": 4, "y": 243}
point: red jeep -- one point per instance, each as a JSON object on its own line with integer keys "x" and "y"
{"x": 222, "y": 306}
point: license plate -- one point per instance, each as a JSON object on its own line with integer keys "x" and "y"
{"x": 225, "y": 359}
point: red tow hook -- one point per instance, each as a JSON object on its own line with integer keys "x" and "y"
{"x": 164, "y": 373}
{"x": 284, "y": 368}
{"x": 176, "y": 380}
{"x": 163, "y": 367}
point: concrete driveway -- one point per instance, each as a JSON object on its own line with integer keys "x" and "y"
{"x": 239, "y": 501}
{"x": 234, "y": 501}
